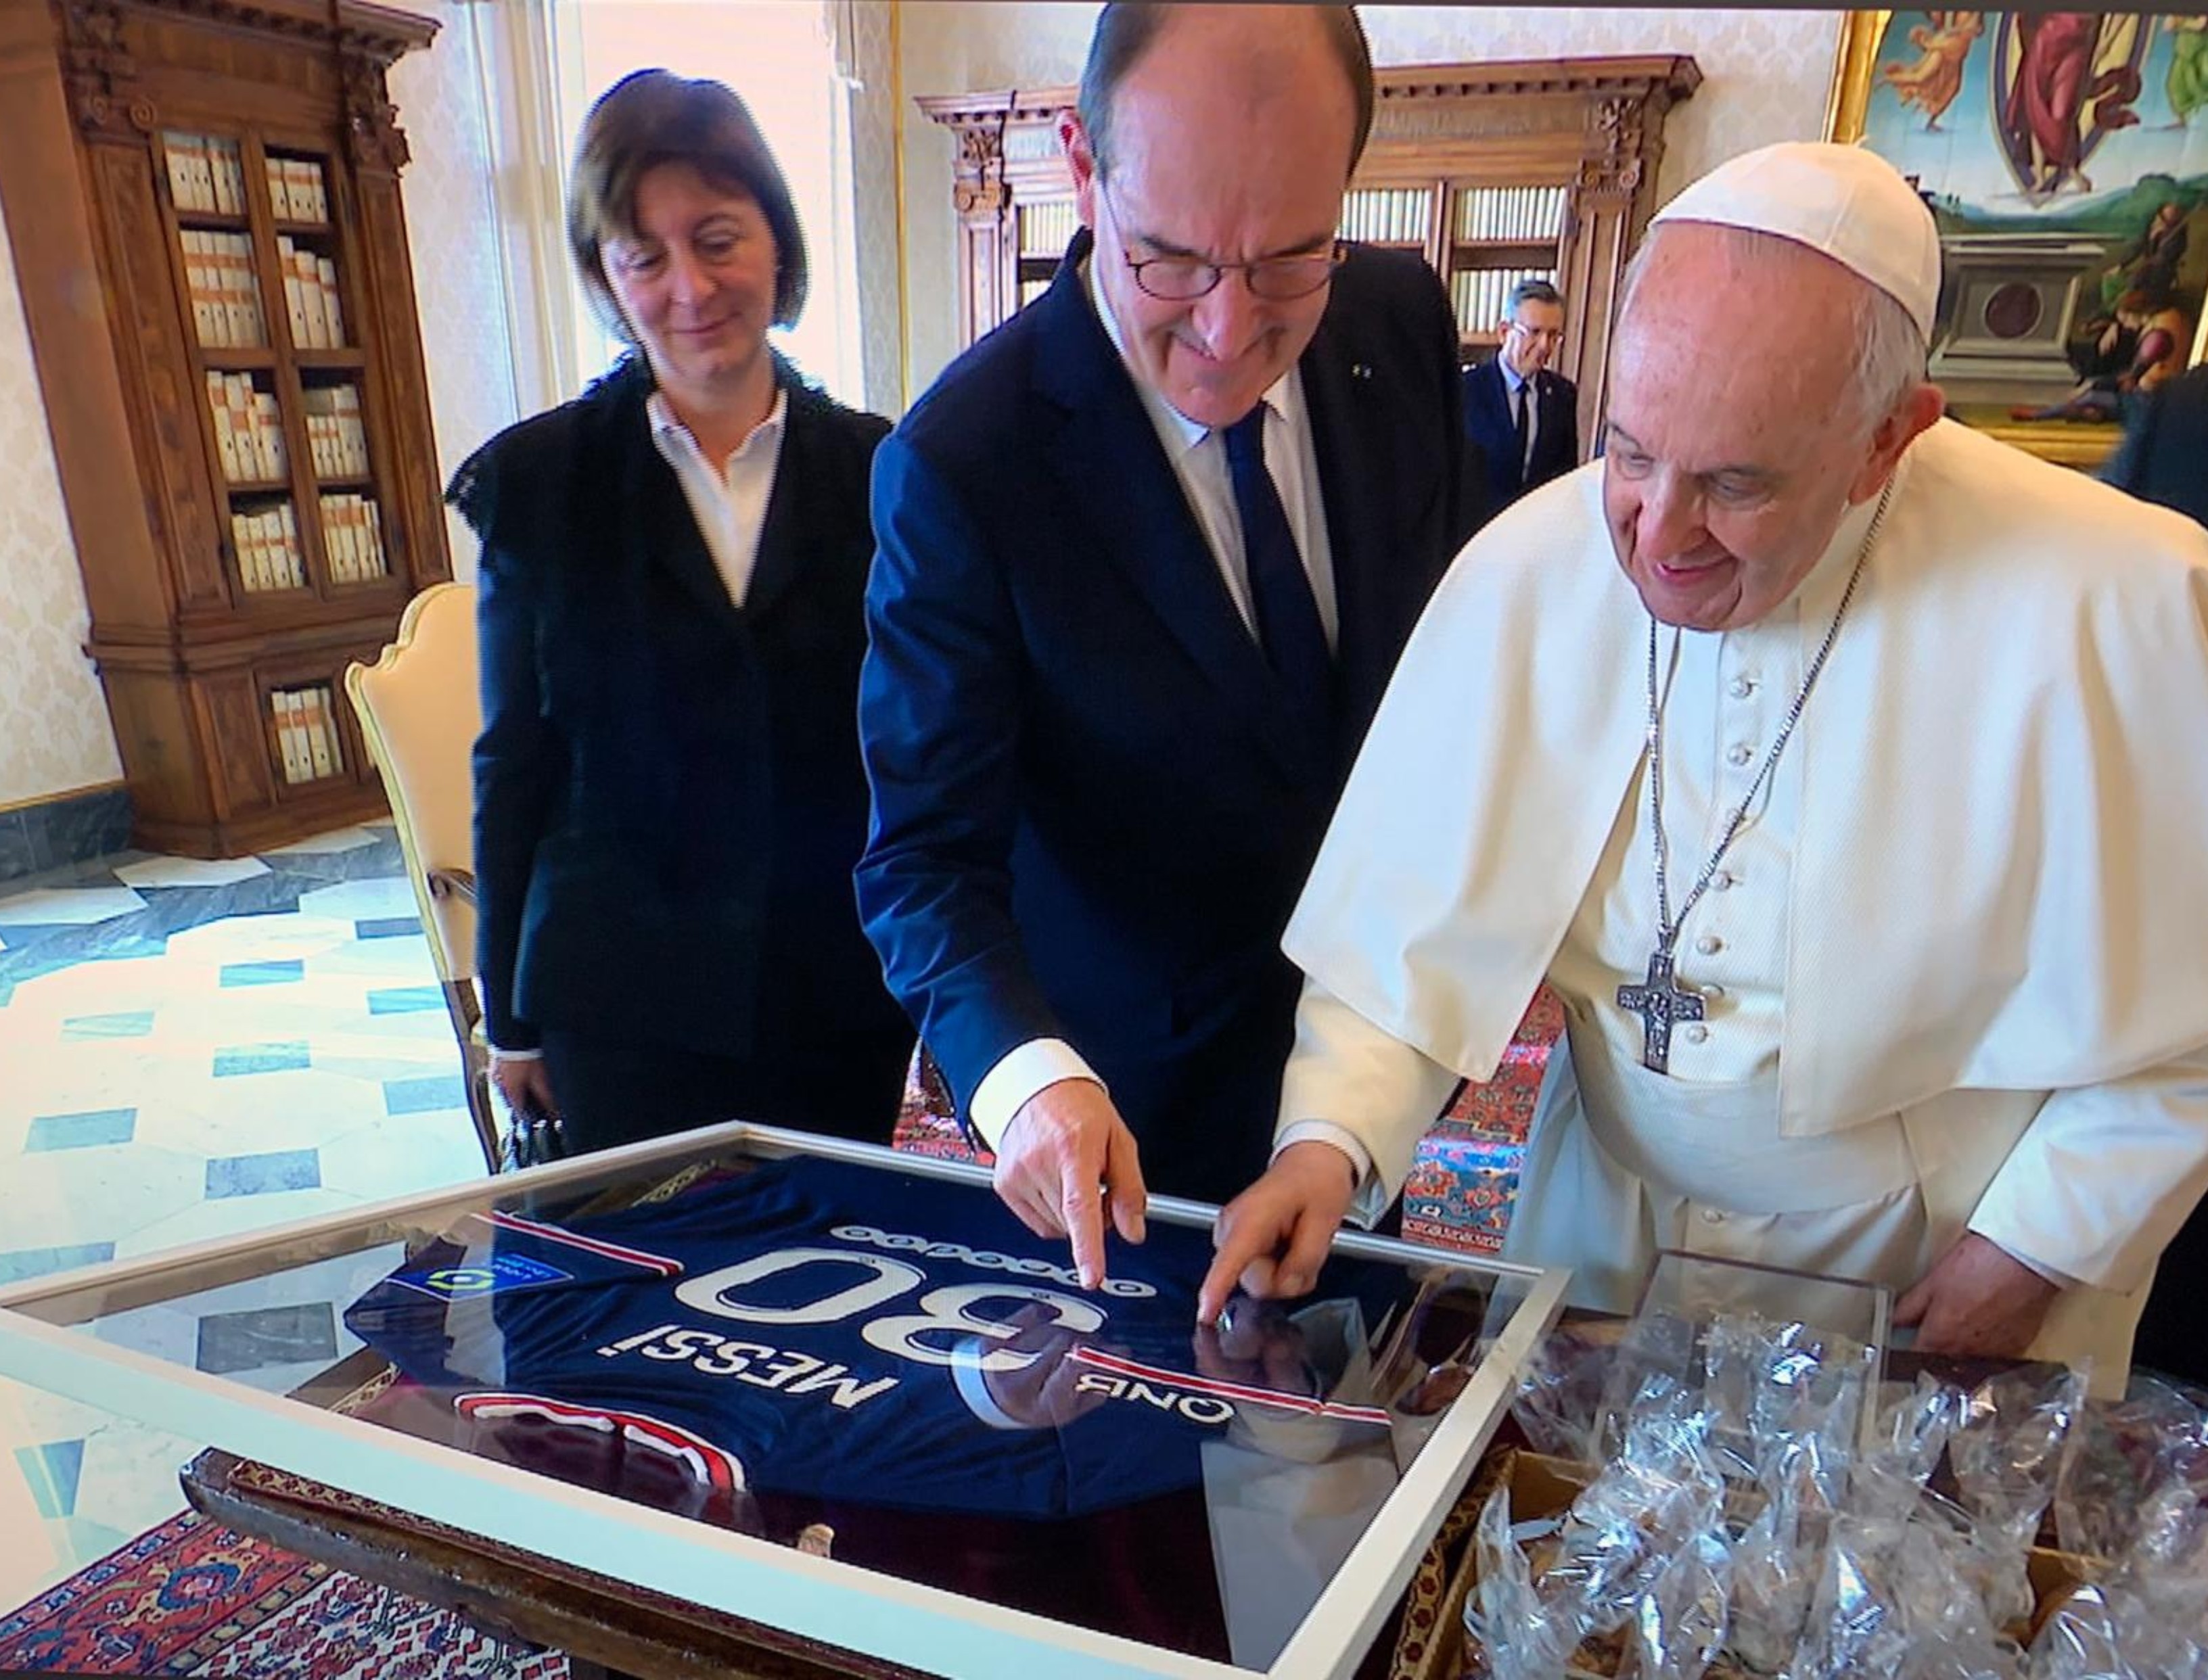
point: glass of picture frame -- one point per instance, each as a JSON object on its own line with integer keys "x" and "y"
{"x": 839, "y": 1392}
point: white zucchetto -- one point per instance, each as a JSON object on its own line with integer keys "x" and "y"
{"x": 1850, "y": 204}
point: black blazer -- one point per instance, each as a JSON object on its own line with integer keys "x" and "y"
{"x": 669, "y": 796}
{"x": 2164, "y": 454}
{"x": 1092, "y": 813}
{"x": 1488, "y": 420}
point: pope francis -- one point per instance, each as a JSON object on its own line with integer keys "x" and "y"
{"x": 1844, "y": 771}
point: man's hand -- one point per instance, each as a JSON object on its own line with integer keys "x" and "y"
{"x": 1977, "y": 1300}
{"x": 1064, "y": 1157}
{"x": 1272, "y": 1237}
{"x": 527, "y": 1088}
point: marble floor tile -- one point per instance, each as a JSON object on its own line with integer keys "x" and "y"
{"x": 403, "y": 1154}
{"x": 318, "y": 845}
{"x": 17, "y": 1264}
{"x": 265, "y": 1174}
{"x": 406, "y": 1000}
{"x": 128, "y": 1481}
{"x": 129, "y": 1023}
{"x": 113, "y": 1002}
{"x": 190, "y": 872}
{"x": 50, "y": 1468}
{"x": 237, "y": 1061}
{"x": 262, "y": 939}
{"x": 81, "y": 1131}
{"x": 280, "y": 972}
{"x": 68, "y": 907}
{"x": 204, "y": 1221}
{"x": 353, "y": 900}
{"x": 420, "y": 1095}
{"x": 206, "y": 1117}
{"x": 61, "y": 1199}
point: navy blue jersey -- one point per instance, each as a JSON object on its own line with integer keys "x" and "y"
{"x": 849, "y": 1334}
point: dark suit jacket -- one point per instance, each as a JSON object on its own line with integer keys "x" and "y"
{"x": 1489, "y": 419}
{"x": 1092, "y": 815}
{"x": 669, "y": 795}
{"x": 2164, "y": 454}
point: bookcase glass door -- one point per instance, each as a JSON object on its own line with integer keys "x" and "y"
{"x": 263, "y": 266}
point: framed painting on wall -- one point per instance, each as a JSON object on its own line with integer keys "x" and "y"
{"x": 2065, "y": 157}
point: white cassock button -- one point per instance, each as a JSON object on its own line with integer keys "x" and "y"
{"x": 1713, "y": 991}
{"x": 1723, "y": 881}
{"x": 1738, "y": 754}
{"x": 1697, "y": 1033}
{"x": 1740, "y": 687}
{"x": 1712, "y": 1216}
{"x": 1709, "y": 945}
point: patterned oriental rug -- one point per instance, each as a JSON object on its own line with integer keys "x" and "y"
{"x": 193, "y": 1597}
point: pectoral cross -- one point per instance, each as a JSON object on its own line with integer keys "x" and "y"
{"x": 1658, "y": 1001}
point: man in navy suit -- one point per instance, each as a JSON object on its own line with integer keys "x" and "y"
{"x": 1147, "y": 556}
{"x": 1525, "y": 418}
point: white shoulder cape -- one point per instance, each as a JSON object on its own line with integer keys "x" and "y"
{"x": 2001, "y": 879}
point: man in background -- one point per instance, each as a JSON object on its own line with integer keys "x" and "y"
{"x": 1525, "y": 418}
{"x": 1147, "y": 556}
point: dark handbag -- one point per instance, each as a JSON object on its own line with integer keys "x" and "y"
{"x": 532, "y": 1140}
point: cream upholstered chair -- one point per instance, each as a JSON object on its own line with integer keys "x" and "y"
{"x": 420, "y": 711}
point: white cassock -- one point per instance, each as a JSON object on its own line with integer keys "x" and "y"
{"x": 1955, "y": 968}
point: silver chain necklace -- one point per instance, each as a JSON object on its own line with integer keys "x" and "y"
{"x": 1659, "y": 1000}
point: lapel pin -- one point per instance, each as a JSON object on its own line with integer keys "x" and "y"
{"x": 1360, "y": 371}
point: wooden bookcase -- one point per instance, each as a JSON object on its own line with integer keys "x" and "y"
{"x": 202, "y": 199}
{"x": 1491, "y": 172}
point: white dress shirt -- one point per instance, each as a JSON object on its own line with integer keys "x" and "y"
{"x": 1197, "y": 454}
{"x": 729, "y": 502}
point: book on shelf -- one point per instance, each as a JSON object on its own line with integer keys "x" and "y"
{"x": 310, "y": 296}
{"x": 249, "y": 429}
{"x": 296, "y": 190}
{"x": 206, "y": 173}
{"x": 1526, "y": 215}
{"x": 338, "y": 441}
{"x": 225, "y": 304}
{"x": 307, "y": 739}
{"x": 1385, "y": 214}
{"x": 353, "y": 538}
{"x": 267, "y": 540}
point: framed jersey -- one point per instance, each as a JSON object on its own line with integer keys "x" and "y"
{"x": 845, "y": 1393}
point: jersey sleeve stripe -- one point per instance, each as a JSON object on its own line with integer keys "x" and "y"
{"x": 554, "y": 1233}
{"x": 713, "y": 1466}
{"x": 1189, "y": 1381}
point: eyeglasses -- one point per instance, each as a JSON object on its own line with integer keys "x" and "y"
{"x": 1278, "y": 280}
{"x": 1554, "y": 335}
{"x": 1179, "y": 279}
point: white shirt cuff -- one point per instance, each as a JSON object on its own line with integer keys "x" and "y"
{"x": 1326, "y": 1131}
{"x": 1006, "y": 1088}
{"x": 516, "y": 1055}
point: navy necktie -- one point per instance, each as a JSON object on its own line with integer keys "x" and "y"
{"x": 1289, "y": 626}
{"x": 1525, "y": 427}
